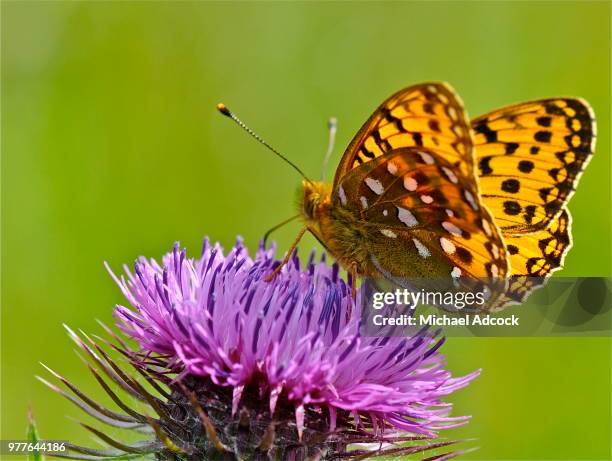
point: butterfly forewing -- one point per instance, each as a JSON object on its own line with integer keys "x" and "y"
{"x": 530, "y": 157}
{"x": 429, "y": 115}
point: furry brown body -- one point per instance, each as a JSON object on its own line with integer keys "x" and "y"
{"x": 336, "y": 228}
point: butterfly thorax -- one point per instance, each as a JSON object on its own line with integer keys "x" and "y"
{"x": 334, "y": 227}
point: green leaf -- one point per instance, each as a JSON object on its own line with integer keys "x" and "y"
{"x": 32, "y": 436}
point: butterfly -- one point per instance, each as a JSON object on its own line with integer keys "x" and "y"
{"x": 422, "y": 192}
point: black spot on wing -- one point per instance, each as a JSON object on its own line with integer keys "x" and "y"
{"x": 483, "y": 128}
{"x": 484, "y": 166}
{"x": 434, "y": 125}
{"x": 543, "y": 136}
{"x": 511, "y": 186}
{"x": 367, "y": 153}
{"x": 529, "y": 213}
{"x": 544, "y": 121}
{"x": 525, "y": 166}
{"x": 511, "y": 147}
{"x": 464, "y": 255}
{"x": 512, "y": 208}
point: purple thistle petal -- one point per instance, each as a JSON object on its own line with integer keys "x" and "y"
{"x": 218, "y": 317}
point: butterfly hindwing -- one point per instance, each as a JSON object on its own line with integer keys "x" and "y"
{"x": 534, "y": 257}
{"x": 529, "y": 159}
{"x": 422, "y": 218}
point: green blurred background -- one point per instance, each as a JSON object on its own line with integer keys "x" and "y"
{"x": 111, "y": 148}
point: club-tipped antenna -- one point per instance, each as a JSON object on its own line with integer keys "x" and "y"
{"x": 228, "y": 113}
{"x": 332, "y": 125}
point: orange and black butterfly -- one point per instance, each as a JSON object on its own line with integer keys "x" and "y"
{"x": 422, "y": 192}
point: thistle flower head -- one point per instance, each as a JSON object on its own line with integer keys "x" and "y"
{"x": 255, "y": 369}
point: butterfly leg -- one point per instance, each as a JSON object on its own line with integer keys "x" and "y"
{"x": 278, "y": 226}
{"x": 270, "y": 277}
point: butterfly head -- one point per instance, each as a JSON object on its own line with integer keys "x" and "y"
{"x": 315, "y": 198}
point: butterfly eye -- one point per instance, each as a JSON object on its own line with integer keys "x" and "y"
{"x": 310, "y": 200}
{"x": 309, "y": 206}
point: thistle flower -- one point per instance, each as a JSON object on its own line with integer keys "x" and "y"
{"x": 237, "y": 367}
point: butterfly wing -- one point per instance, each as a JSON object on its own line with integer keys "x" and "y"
{"x": 428, "y": 115}
{"x": 534, "y": 257}
{"x": 421, "y": 218}
{"x": 409, "y": 175}
{"x": 530, "y": 157}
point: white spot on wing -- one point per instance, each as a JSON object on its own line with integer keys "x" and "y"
{"x": 494, "y": 270}
{"x": 428, "y": 159}
{"x": 410, "y": 183}
{"x": 495, "y": 251}
{"x": 392, "y": 168}
{"x": 453, "y": 229}
{"x": 406, "y": 217}
{"x": 450, "y": 213}
{"x": 470, "y": 198}
{"x": 447, "y": 246}
{"x": 426, "y": 198}
{"x": 486, "y": 227}
{"x": 388, "y": 233}
{"x": 422, "y": 249}
{"x": 450, "y": 175}
{"x": 364, "y": 202}
{"x": 385, "y": 212}
{"x": 342, "y": 195}
{"x": 375, "y": 185}
{"x": 456, "y": 272}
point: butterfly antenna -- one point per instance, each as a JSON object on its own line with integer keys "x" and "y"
{"x": 228, "y": 113}
{"x": 332, "y": 125}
